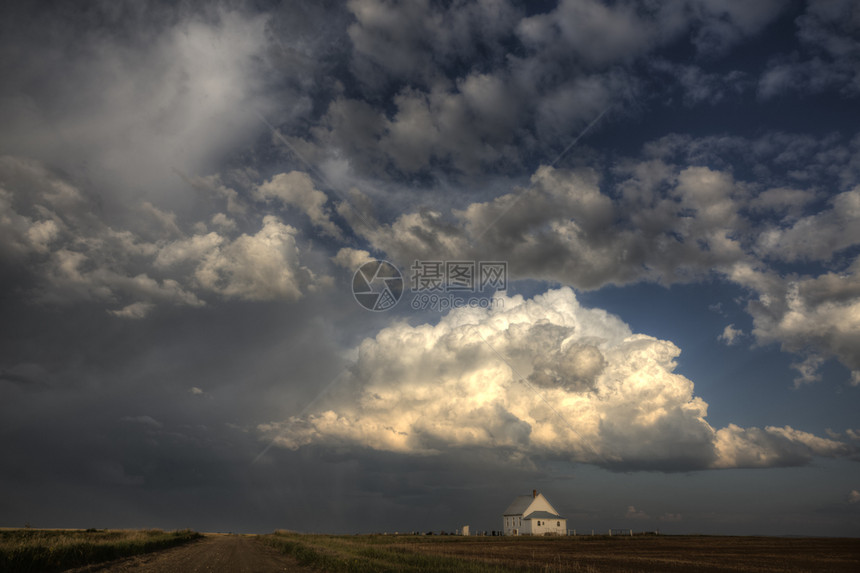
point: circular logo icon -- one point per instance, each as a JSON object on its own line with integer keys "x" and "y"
{"x": 377, "y": 285}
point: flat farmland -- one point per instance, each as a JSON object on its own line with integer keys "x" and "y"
{"x": 579, "y": 554}
{"x": 667, "y": 553}
{"x": 154, "y": 551}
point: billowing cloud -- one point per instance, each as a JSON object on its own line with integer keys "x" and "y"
{"x": 73, "y": 255}
{"x": 673, "y": 216}
{"x": 817, "y": 317}
{"x": 263, "y": 266}
{"x": 542, "y": 378}
{"x": 771, "y": 446}
{"x": 597, "y": 33}
{"x": 415, "y": 41}
{"x": 297, "y": 189}
{"x": 544, "y": 77}
{"x": 351, "y": 259}
{"x": 565, "y": 227}
{"x": 818, "y": 236}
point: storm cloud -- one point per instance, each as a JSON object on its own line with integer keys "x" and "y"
{"x": 187, "y": 189}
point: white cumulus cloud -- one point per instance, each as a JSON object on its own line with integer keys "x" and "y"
{"x": 543, "y": 377}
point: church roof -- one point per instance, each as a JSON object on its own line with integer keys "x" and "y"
{"x": 520, "y": 504}
{"x": 530, "y": 504}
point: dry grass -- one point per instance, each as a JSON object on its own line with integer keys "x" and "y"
{"x": 46, "y": 550}
{"x": 366, "y": 554}
{"x": 576, "y": 554}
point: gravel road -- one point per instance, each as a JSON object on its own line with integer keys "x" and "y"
{"x": 214, "y": 553}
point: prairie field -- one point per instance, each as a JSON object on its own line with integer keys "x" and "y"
{"x": 121, "y": 551}
{"x": 47, "y": 550}
{"x": 599, "y": 554}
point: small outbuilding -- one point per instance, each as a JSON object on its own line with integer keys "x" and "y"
{"x": 533, "y": 515}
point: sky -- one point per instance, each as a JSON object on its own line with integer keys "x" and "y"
{"x": 669, "y": 193}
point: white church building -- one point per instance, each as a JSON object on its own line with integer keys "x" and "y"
{"x": 533, "y": 515}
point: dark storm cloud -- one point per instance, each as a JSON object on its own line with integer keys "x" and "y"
{"x": 831, "y": 53}
{"x": 115, "y": 419}
{"x": 482, "y": 86}
{"x": 128, "y": 97}
{"x": 185, "y": 190}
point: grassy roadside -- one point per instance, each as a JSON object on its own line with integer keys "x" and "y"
{"x": 347, "y": 554}
{"x": 48, "y": 550}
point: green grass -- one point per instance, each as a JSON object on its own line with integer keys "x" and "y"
{"x": 47, "y": 550}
